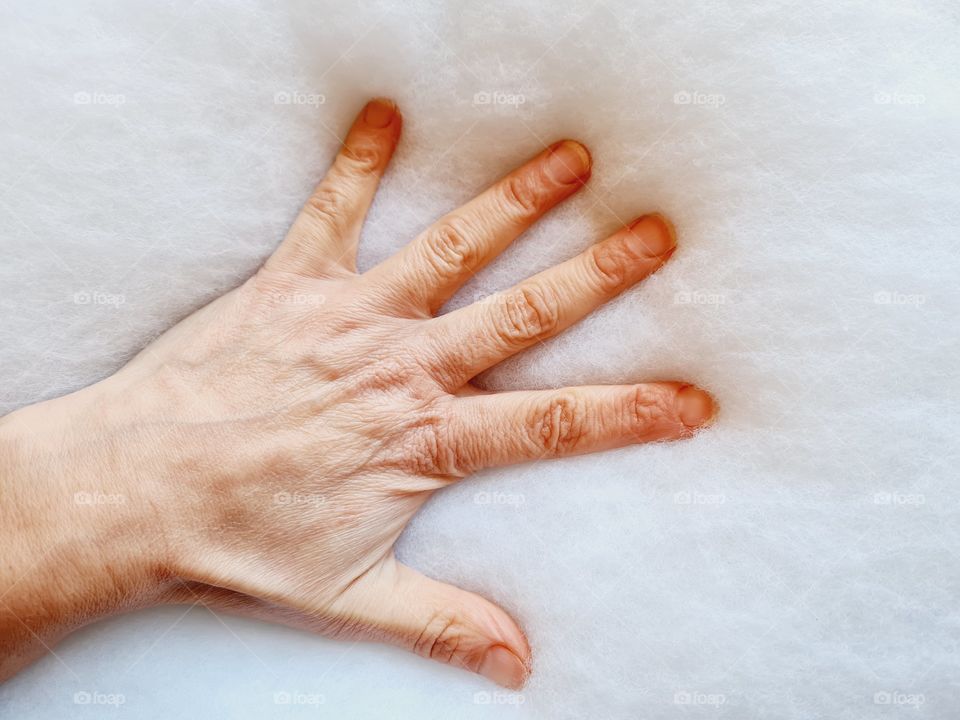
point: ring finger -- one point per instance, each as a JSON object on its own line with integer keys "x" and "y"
{"x": 428, "y": 271}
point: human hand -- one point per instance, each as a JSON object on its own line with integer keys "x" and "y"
{"x": 271, "y": 447}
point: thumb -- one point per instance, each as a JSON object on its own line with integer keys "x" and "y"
{"x": 443, "y": 622}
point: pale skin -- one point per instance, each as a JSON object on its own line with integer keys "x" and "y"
{"x": 263, "y": 456}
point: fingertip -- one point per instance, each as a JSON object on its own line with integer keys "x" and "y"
{"x": 586, "y": 157}
{"x": 654, "y": 235}
{"x": 568, "y": 162}
{"x": 507, "y": 659}
{"x": 695, "y": 406}
{"x": 380, "y": 112}
{"x": 503, "y": 667}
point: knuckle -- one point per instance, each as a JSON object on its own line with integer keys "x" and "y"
{"x": 451, "y": 247}
{"x": 327, "y": 203}
{"x": 382, "y": 375}
{"x": 441, "y": 637}
{"x": 519, "y": 197}
{"x": 647, "y": 408}
{"x": 530, "y": 313}
{"x": 609, "y": 266}
{"x": 362, "y": 159}
{"x": 426, "y": 451}
{"x": 560, "y": 426}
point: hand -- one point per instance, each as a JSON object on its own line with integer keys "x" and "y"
{"x": 270, "y": 449}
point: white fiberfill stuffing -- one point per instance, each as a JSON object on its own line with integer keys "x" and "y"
{"x": 800, "y": 559}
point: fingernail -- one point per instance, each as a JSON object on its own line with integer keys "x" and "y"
{"x": 379, "y": 112}
{"x": 694, "y": 406}
{"x": 568, "y": 162}
{"x": 503, "y": 667}
{"x": 653, "y": 235}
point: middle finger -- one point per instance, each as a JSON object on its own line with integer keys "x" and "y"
{"x": 467, "y": 341}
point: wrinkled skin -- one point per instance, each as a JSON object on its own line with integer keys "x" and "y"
{"x": 269, "y": 450}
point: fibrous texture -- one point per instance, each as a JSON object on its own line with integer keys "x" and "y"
{"x": 798, "y": 559}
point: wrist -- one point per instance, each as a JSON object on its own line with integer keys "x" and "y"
{"x": 81, "y": 534}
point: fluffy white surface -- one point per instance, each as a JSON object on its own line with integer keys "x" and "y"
{"x": 799, "y": 559}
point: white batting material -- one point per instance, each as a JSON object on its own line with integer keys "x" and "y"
{"x": 797, "y": 560}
